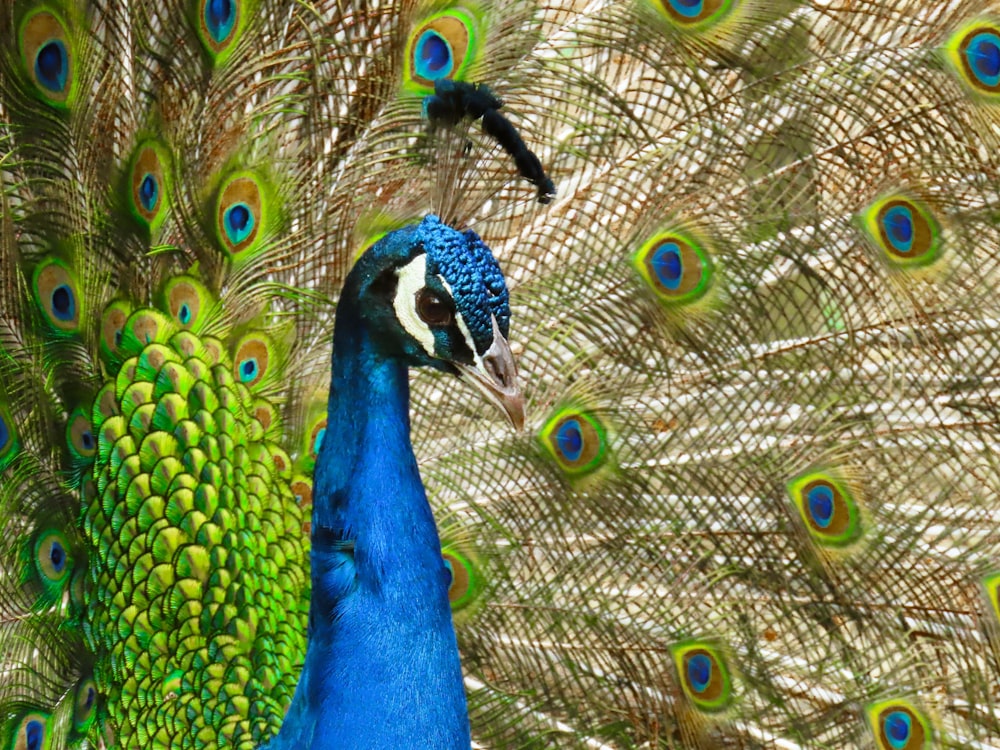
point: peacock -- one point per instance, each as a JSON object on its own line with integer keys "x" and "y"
{"x": 462, "y": 373}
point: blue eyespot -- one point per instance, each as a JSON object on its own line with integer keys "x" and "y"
{"x": 252, "y": 362}
{"x": 698, "y": 13}
{"x": 248, "y": 370}
{"x": 220, "y": 18}
{"x": 63, "y": 303}
{"x": 983, "y": 55}
{"x": 80, "y": 437}
{"x": 184, "y": 314}
{"x": 57, "y": 556}
{"x": 899, "y": 228}
{"x": 4, "y": 433}
{"x": 51, "y": 65}
{"x": 820, "y": 500}
{"x": 86, "y": 699}
{"x": 676, "y": 266}
{"x": 148, "y": 192}
{"x": 52, "y": 559}
{"x": 688, "y": 8}
{"x": 433, "y": 56}
{"x": 668, "y": 265}
{"x": 239, "y": 222}
{"x": 576, "y": 439}
{"x": 34, "y": 735}
{"x": 898, "y": 726}
{"x": 570, "y": 439}
{"x": 699, "y": 669}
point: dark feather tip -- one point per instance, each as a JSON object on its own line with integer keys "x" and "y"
{"x": 453, "y": 101}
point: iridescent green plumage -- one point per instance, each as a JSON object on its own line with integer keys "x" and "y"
{"x": 754, "y": 503}
{"x": 198, "y": 546}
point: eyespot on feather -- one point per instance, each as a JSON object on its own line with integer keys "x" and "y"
{"x": 576, "y": 440}
{"x": 47, "y": 56}
{"x": 676, "y": 266}
{"x": 241, "y": 213}
{"x": 113, "y": 321}
{"x": 899, "y": 725}
{"x": 187, "y": 301}
{"x": 444, "y": 45}
{"x": 253, "y": 358}
{"x": 317, "y": 434}
{"x": 149, "y": 185}
{"x": 85, "y": 705}
{"x": 220, "y": 24}
{"x": 828, "y": 508}
{"x": 694, "y": 14}
{"x": 143, "y": 327}
{"x": 57, "y": 294}
{"x": 80, "y": 436}
{"x": 53, "y": 562}
{"x": 905, "y": 231}
{"x": 9, "y": 444}
{"x": 703, "y": 675}
{"x": 466, "y": 580}
{"x": 973, "y": 55}
{"x": 31, "y": 732}
{"x": 302, "y": 489}
{"x": 312, "y": 435}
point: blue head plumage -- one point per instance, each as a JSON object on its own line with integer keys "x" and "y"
{"x": 472, "y": 274}
{"x": 435, "y": 296}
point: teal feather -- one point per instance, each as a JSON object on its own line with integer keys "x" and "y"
{"x": 754, "y": 500}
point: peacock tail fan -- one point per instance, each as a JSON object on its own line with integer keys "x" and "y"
{"x": 754, "y": 502}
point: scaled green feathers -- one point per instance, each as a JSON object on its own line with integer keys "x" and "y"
{"x": 197, "y": 567}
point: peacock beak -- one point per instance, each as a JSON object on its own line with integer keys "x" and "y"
{"x": 495, "y": 375}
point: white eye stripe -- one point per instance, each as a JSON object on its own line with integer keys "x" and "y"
{"x": 466, "y": 334}
{"x": 411, "y": 279}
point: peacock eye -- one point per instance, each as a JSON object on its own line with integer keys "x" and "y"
{"x": 433, "y": 310}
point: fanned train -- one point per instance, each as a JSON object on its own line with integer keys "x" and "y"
{"x": 752, "y": 254}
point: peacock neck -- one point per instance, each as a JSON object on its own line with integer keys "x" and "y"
{"x": 382, "y": 667}
{"x": 367, "y": 436}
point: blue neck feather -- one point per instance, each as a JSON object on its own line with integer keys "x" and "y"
{"x": 382, "y": 667}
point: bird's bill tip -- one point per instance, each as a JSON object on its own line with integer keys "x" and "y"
{"x": 495, "y": 375}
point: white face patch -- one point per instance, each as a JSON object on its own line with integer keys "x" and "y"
{"x": 412, "y": 278}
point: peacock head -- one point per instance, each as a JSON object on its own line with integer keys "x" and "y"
{"x": 436, "y": 297}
